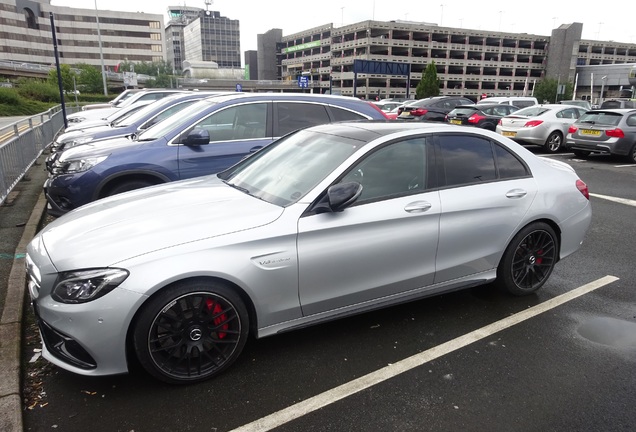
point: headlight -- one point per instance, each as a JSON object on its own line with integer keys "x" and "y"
{"x": 86, "y": 285}
{"x": 77, "y": 165}
{"x": 77, "y": 141}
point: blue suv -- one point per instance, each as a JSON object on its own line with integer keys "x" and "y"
{"x": 203, "y": 138}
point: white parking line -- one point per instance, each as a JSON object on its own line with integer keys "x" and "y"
{"x": 615, "y": 199}
{"x": 330, "y": 396}
{"x": 625, "y": 166}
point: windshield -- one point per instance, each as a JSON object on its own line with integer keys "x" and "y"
{"x": 123, "y": 113}
{"x": 283, "y": 172}
{"x": 180, "y": 122}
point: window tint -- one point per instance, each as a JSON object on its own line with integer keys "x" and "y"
{"x": 294, "y": 116}
{"x": 340, "y": 114}
{"x": 509, "y": 166}
{"x": 466, "y": 159}
{"x": 397, "y": 169}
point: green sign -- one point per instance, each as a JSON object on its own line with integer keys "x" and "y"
{"x": 301, "y": 47}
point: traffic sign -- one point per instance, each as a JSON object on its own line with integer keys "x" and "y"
{"x": 303, "y": 81}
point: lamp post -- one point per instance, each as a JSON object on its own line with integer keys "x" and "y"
{"x": 602, "y": 89}
{"x": 101, "y": 52}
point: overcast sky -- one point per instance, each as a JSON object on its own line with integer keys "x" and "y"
{"x": 609, "y": 20}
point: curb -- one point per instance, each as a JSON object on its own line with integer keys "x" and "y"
{"x": 11, "y": 328}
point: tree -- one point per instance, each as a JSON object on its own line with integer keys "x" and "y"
{"x": 546, "y": 91}
{"x": 90, "y": 78}
{"x": 67, "y": 77}
{"x": 429, "y": 84}
{"x": 155, "y": 68}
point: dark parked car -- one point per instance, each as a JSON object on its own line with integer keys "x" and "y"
{"x": 610, "y": 131}
{"x": 203, "y": 138}
{"x": 485, "y": 116}
{"x": 432, "y": 108}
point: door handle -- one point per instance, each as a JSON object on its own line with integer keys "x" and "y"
{"x": 417, "y": 207}
{"x": 516, "y": 193}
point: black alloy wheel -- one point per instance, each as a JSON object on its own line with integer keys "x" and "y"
{"x": 191, "y": 333}
{"x": 528, "y": 260}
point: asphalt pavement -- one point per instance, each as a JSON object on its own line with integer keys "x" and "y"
{"x": 20, "y": 217}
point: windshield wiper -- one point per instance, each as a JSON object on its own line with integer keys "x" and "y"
{"x": 235, "y": 186}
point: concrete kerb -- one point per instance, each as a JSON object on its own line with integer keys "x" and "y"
{"x": 11, "y": 328}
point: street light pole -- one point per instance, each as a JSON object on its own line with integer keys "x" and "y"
{"x": 602, "y": 89}
{"x": 101, "y": 52}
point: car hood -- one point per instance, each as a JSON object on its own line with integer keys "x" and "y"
{"x": 115, "y": 229}
{"x": 98, "y": 148}
{"x": 86, "y": 124}
{"x": 82, "y": 132}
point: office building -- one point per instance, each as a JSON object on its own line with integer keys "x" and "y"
{"x": 26, "y": 34}
{"x": 179, "y": 17}
{"x": 213, "y": 38}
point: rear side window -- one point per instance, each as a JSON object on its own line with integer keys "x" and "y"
{"x": 340, "y": 114}
{"x": 294, "y": 116}
{"x": 466, "y": 159}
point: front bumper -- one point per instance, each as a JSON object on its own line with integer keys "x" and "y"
{"x": 87, "y": 338}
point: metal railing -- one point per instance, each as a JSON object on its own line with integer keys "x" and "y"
{"x": 22, "y": 143}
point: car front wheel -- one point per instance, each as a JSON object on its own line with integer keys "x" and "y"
{"x": 528, "y": 260}
{"x": 631, "y": 156}
{"x": 191, "y": 332}
{"x": 553, "y": 143}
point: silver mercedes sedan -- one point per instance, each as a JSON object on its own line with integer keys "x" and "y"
{"x": 326, "y": 222}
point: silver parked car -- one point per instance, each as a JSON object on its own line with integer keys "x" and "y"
{"x": 608, "y": 131}
{"x": 542, "y": 125}
{"x": 326, "y": 222}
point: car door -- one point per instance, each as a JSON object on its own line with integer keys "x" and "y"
{"x": 383, "y": 245}
{"x": 234, "y": 132}
{"x": 486, "y": 194}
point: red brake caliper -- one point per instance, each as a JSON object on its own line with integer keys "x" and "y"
{"x": 216, "y": 308}
{"x": 539, "y": 257}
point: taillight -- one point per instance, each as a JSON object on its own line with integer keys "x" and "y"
{"x": 419, "y": 111}
{"x": 572, "y": 129}
{"x": 533, "y": 123}
{"x": 499, "y": 122}
{"x": 378, "y": 109}
{"x": 582, "y": 187}
{"x": 475, "y": 118}
{"x": 615, "y": 133}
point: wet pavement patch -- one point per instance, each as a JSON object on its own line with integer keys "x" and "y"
{"x": 609, "y": 331}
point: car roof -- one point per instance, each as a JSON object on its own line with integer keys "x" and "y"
{"x": 287, "y": 96}
{"x": 367, "y": 130}
{"x": 613, "y": 110}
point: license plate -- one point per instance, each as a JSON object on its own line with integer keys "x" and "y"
{"x": 456, "y": 122}
{"x": 590, "y": 132}
{"x": 405, "y": 114}
{"x": 509, "y": 134}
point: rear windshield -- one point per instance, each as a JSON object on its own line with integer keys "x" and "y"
{"x": 533, "y": 111}
{"x": 462, "y": 111}
{"x": 601, "y": 118}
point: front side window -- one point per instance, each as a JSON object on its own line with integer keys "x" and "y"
{"x": 238, "y": 122}
{"x": 394, "y": 170}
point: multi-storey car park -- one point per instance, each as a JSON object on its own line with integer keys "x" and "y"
{"x": 469, "y": 62}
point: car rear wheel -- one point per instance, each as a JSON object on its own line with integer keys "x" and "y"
{"x": 191, "y": 332}
{"x": 528, "y": 260}
{"x": 554, "y": 142}
{"x": 631, "y": 156}
{"x": 581, "y": 153}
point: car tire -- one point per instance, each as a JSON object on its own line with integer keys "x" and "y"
{"x": 631, "y": 156}
{"x": 554, "y": 142}
{"x": 127, "y": 186}
{"x": 190, "y": 332}
{"x": 581, "y": 153}
{"x": 528, "y": 260}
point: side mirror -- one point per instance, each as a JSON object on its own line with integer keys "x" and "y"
{"x": 196, "y": 137}
{"x": 338, "y": 197}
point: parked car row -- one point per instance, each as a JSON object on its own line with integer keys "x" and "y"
{"x": 193, "y": 138}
